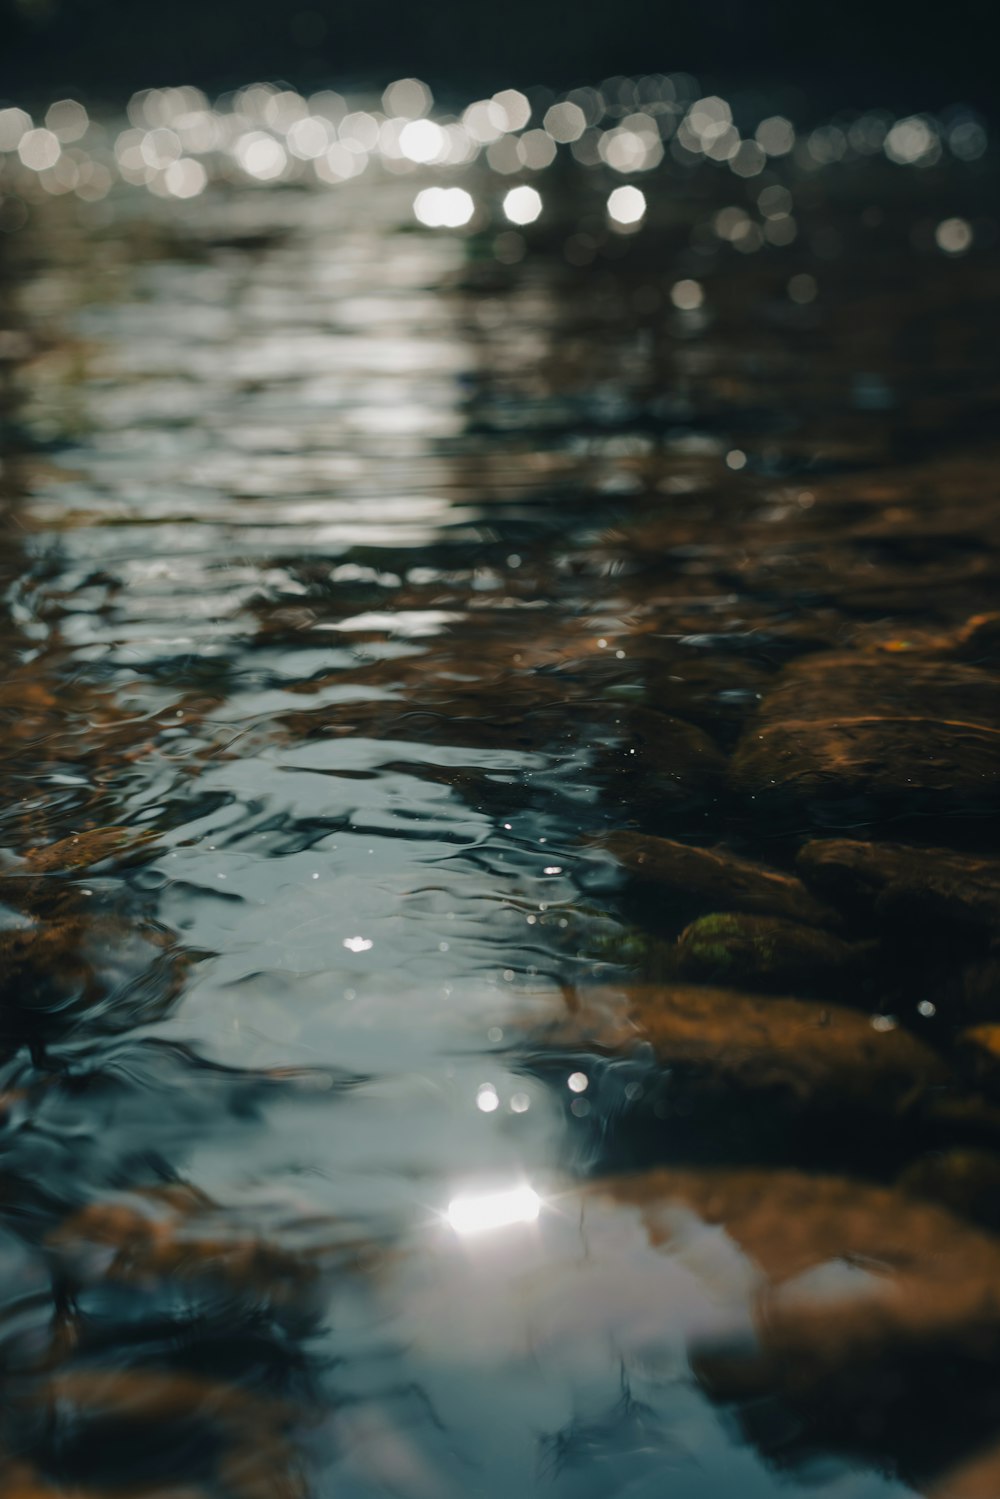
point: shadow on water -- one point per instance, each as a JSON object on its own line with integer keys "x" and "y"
{"x": 470, "y": 723}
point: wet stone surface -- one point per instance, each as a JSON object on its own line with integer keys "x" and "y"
{"x": 499, "y": 905}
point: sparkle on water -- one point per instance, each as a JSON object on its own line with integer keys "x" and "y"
{"x": 481, "y": 1212}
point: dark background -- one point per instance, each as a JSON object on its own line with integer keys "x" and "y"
{"x": 904, "y": 54}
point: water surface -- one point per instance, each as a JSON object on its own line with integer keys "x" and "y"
{"x": 362, "y": 584}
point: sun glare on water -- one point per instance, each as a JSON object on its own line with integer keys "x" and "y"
{"x": 477, "y": 1213}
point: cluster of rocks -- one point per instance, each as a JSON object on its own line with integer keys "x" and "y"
{"x": 820, "y": 1029}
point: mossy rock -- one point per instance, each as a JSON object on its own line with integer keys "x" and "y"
{"x": 766, "y": 952}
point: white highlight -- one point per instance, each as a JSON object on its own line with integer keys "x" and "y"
{"x": 423, "y": 141}
{"x": 522, "y": 205}
{"x": 443, "y": 207}
{"x": 626, "y": 205}
{"x": 478, "y": 1213}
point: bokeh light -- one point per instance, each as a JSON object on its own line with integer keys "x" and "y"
{"x": 443, "y": 207}
{"x": 627, "y": 205}
{"x": 39, "y": 149}
{"x": 422, "y": 141}
{"x": 953, "y": 236}
{"x": 687, "y": 295}
{"x": 408, "y": 97}
{"x": 476, "y": 1213}
{"x": 522, "y": 205}
{"x": 67, "y": 119}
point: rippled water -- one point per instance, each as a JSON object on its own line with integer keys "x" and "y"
{"x": 358, "y": 589}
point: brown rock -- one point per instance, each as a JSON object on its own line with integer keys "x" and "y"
{"x": 884, "y": 734}
{"x": 912, "y": 882}
{"x": 965, "y": 1180}
{"x": 720, "y": 879}
{"x": 943, "y": 767}
{"x": 842, "y": 685}
{"x": 980, "y": 1048}
{"x": 819, "y": 1056}
{"x": 979, "y": 641}
{"x": 978, "y": 1477}
{"x": 912, "y": 1277}
{"x": 82, "y": 850}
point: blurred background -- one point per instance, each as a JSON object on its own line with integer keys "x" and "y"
{"x": 904, "y": 54}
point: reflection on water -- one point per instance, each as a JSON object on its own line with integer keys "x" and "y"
{"x": 480, "y": 1014}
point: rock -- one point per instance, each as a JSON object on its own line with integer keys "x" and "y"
{"x": 845, "y": 685}
{"x": 716, "y": 878}
{"x": 82, "y": 850}
{"x": 114, "y": 971}
{"x": 912, "y": 883}
{"x": 814, "y": 1055}
{"x": 875, "y": 766}
{"x": 979, "y": 1047}
{"x": 880, "y": 763}
{"x": 979, "y": 988}
{"x": 965, "y": 1180}
{"x": 976, "y": 1477}
{"x": 657, "y": 761}
{"x": 765, "y": 952}
{"x": 716, "y": 692}
{"x": 175, "y": 1233}
{"x": 979, "y": 640}
{"x": 859, "y": 1294}
{"x": 857, "y": 735}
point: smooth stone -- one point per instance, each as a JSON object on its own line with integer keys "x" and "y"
{"x": 818, "y": 1056}
{"x": 896, "y": 880}
{"x": 849, "y": 1280}
{"x": 716, "y": 877}
{"x": 965, "y": 1180}
{"x": 874, "y": 764}
{"x": 877, "y": 733}
{"x": 844, "y": 685}
{"x": 978, "y": 641}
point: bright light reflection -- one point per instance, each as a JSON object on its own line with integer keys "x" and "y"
{"x": 516, "y": 108}
{"x": 522, "y": 205}
{"x": 487, "y": 1099}
{"x": 422, "y": 140}
{"x": 39, "y": 149}
{"x": 480, "y": 1212}
{"x": 626, "y": 205}
{"x": 443, "y": 207}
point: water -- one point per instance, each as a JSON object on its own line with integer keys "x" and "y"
{"x": 359, "y": 587}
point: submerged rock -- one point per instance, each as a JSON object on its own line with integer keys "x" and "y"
{"x": 979, "y": 1047}
{"x": 966, "y": 1180}
{"x": 874, "y": 765}
{"x": 857, "y": 735}
{"x": 908, "y": 882}
{"x": 860, "y": 1304}
{"x": 816, "y": 1056}
{"x": 83, "y": 850}
{"x": 765, "y": 952}
{"x": 979, "y": 640}
{"x": 658, "y": 761}
{"x": 716, "y": 877}
{"x": 841, "y": 686}
{"x": 977, "y": 1477}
